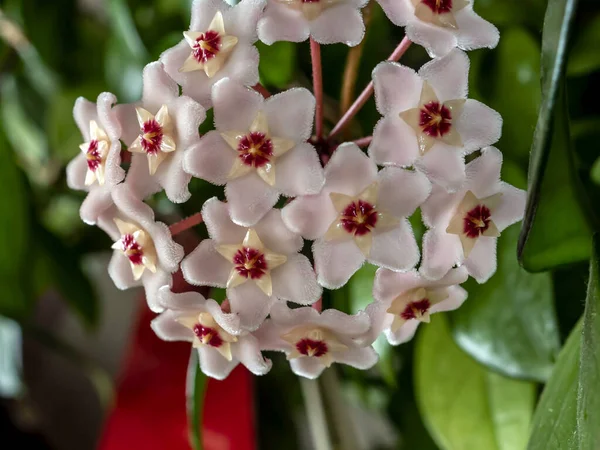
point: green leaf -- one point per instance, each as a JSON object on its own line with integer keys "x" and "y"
{"x": 585, "y": 57}
{"x": 511, "y": 12}
{"x": 277, "y": 63}
{"x": 556, "y": 230}
{"x": 557, "y": 242}
{"x": 465, "y": 406}
{"x": 509, "y": 323}
{"x": 555, "y": 419}
{"x": 124, "y": 28}
{"x": 516, "y": 92}
{"x": 196, "y": 387}
{"x": 588, "y": 398}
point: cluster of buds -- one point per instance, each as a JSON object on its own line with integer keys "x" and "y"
{"x": 340, "y": 198}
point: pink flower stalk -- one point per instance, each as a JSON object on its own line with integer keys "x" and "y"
{"x": 144, "y": 252}
{"x": 428, "y": 122}
{"x": 159, "y": 130}
{"x": 219, "y": 44}
{"x": 326, "y": 21}
{"x": 258, "y": 149}
{"x": 221, "y": 343}
{"x": 312, "y": 341}
{"x": 257, "y": 265}
{"x": 360, "y": 214}
{"x": 464, "y": 226}
{"x": 404, "y": 300}
{"x": 441, "y": 25}
{"x": 97, "y": 169}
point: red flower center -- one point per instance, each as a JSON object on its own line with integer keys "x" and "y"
{"x": 93, "y": 156}
{"x": 311, "y": 1}
{"x": 439, "y": 6}
{"x": 152, "y": 136}
{"x": 207, "y": 46}
{"x": 477, "y": 221}
{"x": 359, "y": 218}
{"x": 255, "y": 149}
{"x": 250, "y": 263}
{"x": 416, "y": 309}
{"x": 309, "y": 347}
{"x": 435, "y": 120}
{"x": 208, "y": 336}
{"x": 132, "y": 249}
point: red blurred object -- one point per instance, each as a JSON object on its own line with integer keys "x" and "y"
{"x": 150, "y": 411}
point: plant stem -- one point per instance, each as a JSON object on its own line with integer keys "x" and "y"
{"x": 352, "y": 64}
{"x": 315, "y": 57}
{"x": 315, "y": 413}
{"x": 366, "y": 94}
{"x": 185, "y": 224}
{"x": 339, "y": 411}
{"x": 261, "y": 90}
{"x": 195, "y": 389}
{"x": 363, "y": 142}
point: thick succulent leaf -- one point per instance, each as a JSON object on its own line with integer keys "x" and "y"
{"x": 464, "y": 405}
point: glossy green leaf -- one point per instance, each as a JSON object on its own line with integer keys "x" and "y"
{"x": 588, "y": 398}
{"x": 595, "y": 173}
{"x": 585, "y": 57}
{"x": 511, "y": 12}
{"x": 464, "y": 405}
{"x": 516, "y": 91}
{"x": 559, "y": 232}
{"x": 509, "y": 323}
{"x": 277, "y": 63}
{"x": 196, "y": 387}
{"x": 555, "y": 419}
{"x": 558, "y": 238}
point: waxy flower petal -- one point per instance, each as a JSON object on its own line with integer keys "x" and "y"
{"x": 428, "y": 121}
{"x": 404, "y": 300}
{"x": 144, "y": 250}
{"x": 221, "y": 344}
{"x": 359, "y": 215}
{"x": 258, "y": 149}
{"x": 441, "y": 25}
{"x": 217, "y": 45}
{"x": 97, "y": 169}
{"x": 464, "y": 226}
{"x": 313, "y": 341}
{"x": 159, "y": 129}
{"x": 326, "y": 21}
{"x": 257, "y": 265}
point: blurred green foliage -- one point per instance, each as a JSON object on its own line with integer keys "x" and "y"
{"x": 462, "y": 398}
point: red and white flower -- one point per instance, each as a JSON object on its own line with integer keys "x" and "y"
{"x": 218, "y": 44}
{"x": 216, "y": 334}
{"x": 441, "y": 25}
{"x": 144, "y": 251}
{"x": 428, "y": 122}
{"x": 360, "y": 214}
{"x": 159, "y": 129}
{"x": 257, "y": 265}
{"x": 258, "y": 149}
{"x": 464, "y": 226}
{"x": 404, "y": 300}
{"x": 312, "y": 341}
{"x": 326, "y": 21}
{"x": 98, "y": 168}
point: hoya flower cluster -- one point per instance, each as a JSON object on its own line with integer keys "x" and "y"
{"x": 354, "y": 208}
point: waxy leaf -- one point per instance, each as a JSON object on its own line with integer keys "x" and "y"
{"x": 559, "y": 232}
{"x": 277, "y": 63}
{"x": 551, "y": 235}
{"x": 464, "y": 405}
{"x": 585, "y": 57}
{"x": 588, "y": 398}
{"x": 509, "y": 323}
{"x": 568, "y": 413}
